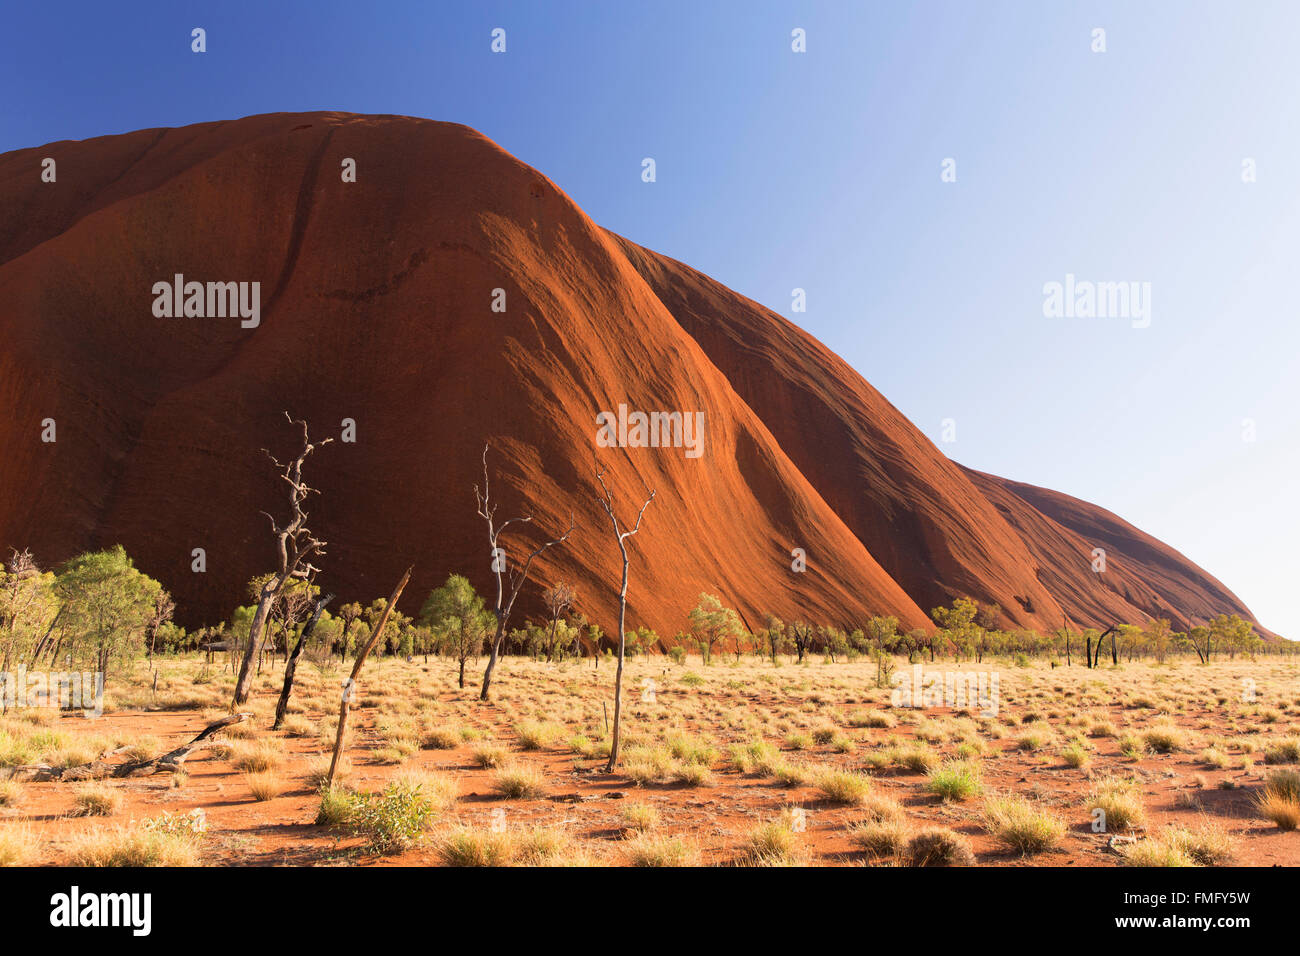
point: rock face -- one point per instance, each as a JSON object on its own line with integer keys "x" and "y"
{"x": 376, "y": 305}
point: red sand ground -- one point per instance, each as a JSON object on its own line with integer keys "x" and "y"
{"x": 584, "y": 802}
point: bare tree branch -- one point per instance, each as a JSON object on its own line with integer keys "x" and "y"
{"x": 295, "y": 545}
{"x": 505, "y": 600}
{"x": 606, "y": 501}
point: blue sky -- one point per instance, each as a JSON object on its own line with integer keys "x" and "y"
{"x": 821, "y": 171}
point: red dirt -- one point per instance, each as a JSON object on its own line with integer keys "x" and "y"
{"x": 586, "y": 803}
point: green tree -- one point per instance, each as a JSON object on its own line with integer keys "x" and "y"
{"x": 29, "y": 607}
{"x": 1231, "y": 632}
{"x": 348, "y": 614}
{"x": 107, "y": 603}
{"x": 712, "y": 623}
{"x": 457, "y": 615}
{"x": 959, "y": 626}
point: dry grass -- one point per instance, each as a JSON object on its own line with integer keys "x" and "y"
{"x": 257, "y": 757}
{"x": 519, "y": 782}
{"x": 649, "y": 849}
{"x": 880, "y": 838}
{"x": 1120, "y": 801}
{"x": 773, "y": 843}
{"x": 845, "y": 787}
{"x": 870, "y": 771}
{"x": 265, "y": 785}
{"x": 18, "y": 845}
{"x": 533, "y": 846}
{"x": 1207, "y": 845}
{"x": 490, "y": 755}
{"x": 1279, "y": 800}
{"x": 97, "y": 800}
{"x": 537, "y": 734}
{"x": 936, "y": 846}
{"x": 131, "y": 847}
{"x": 318, "y": 770}
{"x": 439, "y": 789}
{"x": 442, "y": 738}
{"x": 1021, "y": 825}
{"x": 639, "y": 817}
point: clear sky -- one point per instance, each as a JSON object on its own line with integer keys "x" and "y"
{"x": 822, "y": 170}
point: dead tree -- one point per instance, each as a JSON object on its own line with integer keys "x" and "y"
{"x": 606, "y": 501}
{"x": 163, "y": 606}
{"x": 505, "y": 598}
{"x": 22, "y": 581}
{"x": 292, "y": 608}
{"x": 100, "y": 768}
{"x": 1094, "y": 650}
{"x": 349, "y": 685}
{"x": 295, "y": 546}
{"x": 558, "y": 598}
{"x": 291, "y": 664}
{"x": 802, "y": 635}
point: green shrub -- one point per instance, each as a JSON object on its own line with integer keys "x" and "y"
{"x": 955, "y": 780}
{"x": 393, "y": 820}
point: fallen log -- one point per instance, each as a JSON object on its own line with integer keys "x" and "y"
{"x": 101, "y": 769}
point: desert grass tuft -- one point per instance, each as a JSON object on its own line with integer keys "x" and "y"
{"x": 97, "y": 800}
{"x": 1279, "y": 800}
{"x": 1021, "y": 825}
{"x": 519, "y": 782}
{"x": 936, "y": 846}
{"x": 264, "y": 785}
{"x": 1120, "y": 802}
{"x": 955, "y": 780}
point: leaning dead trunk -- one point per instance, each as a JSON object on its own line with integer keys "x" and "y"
{"x": 291, "y": 665}
{"x": 350, "y": 685}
